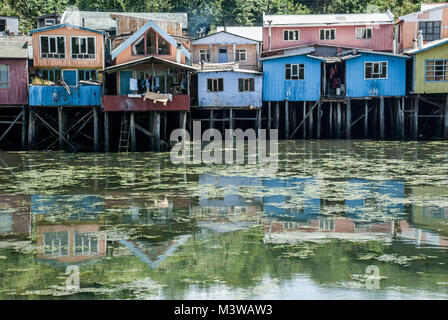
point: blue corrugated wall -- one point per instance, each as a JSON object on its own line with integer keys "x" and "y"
{"x": 276, "y": 88}
{"x": 58, "y": 96}
{"x": 394, "y": 85}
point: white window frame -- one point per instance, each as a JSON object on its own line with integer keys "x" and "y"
{"x": 357, "y": 35}
{"x": 238, "y": 55}
{"x": 91, "y": 56}
{"x": 9, "y": 77}
{"x": 444, "y": 70}
{"x": 376, "y": 62}
{"x": 294, "y": 31}
{"x": 49, "y": 19}
{"x": 205, "y": 52}
{"x": 56, "y": 40}
{"x": 298, "y": 70}
{"x": 325, "y": 34}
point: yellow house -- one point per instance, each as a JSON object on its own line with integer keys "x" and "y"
{"x": 430, "y": 67}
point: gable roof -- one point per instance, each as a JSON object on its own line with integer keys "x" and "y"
{"x": 12, "y": 48}
{"x": 140, "y": 32}
{"x": 329, "y": 19}
{"x": 428, "y": 46}
{"x": 424, "y": 10}
{"x": 104, "y": 21}
{"x": 251, "y": 32}
{"x": 64, "y": 25}
{"x": 224, "y": 37}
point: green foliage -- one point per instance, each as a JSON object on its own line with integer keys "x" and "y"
{"x": 207, "y": 13}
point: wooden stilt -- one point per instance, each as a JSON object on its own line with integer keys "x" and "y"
{"x": 106, "y": 131}
{"x": 445, "y": 127}
{"x": 319, "y": 115}
{"x": 96, "y": 130}
{"x": 304, "y": 120}
{"x": 277, "y": 115}
{"x": 330, "y": 120}
{"x": 23, "y": 128}
{"x": 212, "y": 121}
{"x": 258, "y": 119}
{"x": 382, "y": 132}
{"x": 348, "y": 120}
{"x": 286, "y": 119}
{"x": 311, "y": 124}
{"x": 366, "y": 119}
{"x": 30, "y": 128}
{"x": 231, "y": 121}
{"x": 165, "y": 121}
{"x": 61, "y": 127}
{"x": 415, "y": 125}
{"x": 402, "y": 118}
{"x": 269, "y": 120}
{"x": 132, "y": 131}
{"x": 156, "y": 130}
{"x": 294, "y": 115}
{"x": 338, "y": 121}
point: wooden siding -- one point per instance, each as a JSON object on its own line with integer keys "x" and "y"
{"x": 382, "y": 37}
{"x": 17, "y": 93}
{"x": 58, "y": 96}
{"x": 129, "y": 24}
{"x": 422, "y": 86}
{"x": 124, "y": 103}
{"x": 276, "y": 88}
{"x": 68, "y": 62}
{"x": 250, "y": 63}
{"x": 394, "y": 85}
{"x": 231, "y": 96}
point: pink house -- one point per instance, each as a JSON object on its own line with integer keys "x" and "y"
{"x": 367, "y": 30}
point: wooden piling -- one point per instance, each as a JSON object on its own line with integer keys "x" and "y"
{"x": 156, "y": 130}
{"x": 132, "y": 131}
{"x": 319, "y": 114}
{"x": 286, "y": 119}
{"x": 294, "y": 115}
{"x": 277, "y": 116}
{"x": 348, "y": 120}
{"x": 311, "y": 123}
{"x": 402, "y": 118}
{"x": 30, "y": 128}
{"x": 338, "y": 121}
{"x": 415, "y": 118}
{"x": 445, "y": 127}
{"x": 231, "y": 121}
{"x": 23, "y": 128}
{"x": 96, "y": 130}
{"x": 212, "y": 121}
{"x": 106, "y": 131}
{"x": 330, "y": 120}
{"x": 382, "y": 131}
{"x": 258, "y": 119}
{"x": 269, "y": 117}
{"x": 304, "y": 120}
{"x": 366, "y": 119}
{"x": 61, "y": 127}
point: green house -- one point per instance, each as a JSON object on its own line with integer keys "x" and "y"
{"x": 430, "y": 67}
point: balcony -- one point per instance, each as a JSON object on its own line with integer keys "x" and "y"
{"x": 125, "y": 103}
{"x": 46, "y": 96}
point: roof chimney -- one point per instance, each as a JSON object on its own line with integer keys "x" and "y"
{"x": 420, "y": 39}
{"x": 269, "y": 35}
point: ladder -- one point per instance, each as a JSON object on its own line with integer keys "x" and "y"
{"x": 123, "y": 145}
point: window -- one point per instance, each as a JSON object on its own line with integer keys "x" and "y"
{"x": 246, "y": 84}
{"x": 51, "y": 75}
{"x": 215, "y": 84}
{"x": 150, "y": 42}
{"x": 164, "y": 46}
{"x": 87, "y": 75}
{"x": 241, "y": 55}
{"x": 139, "y": 47}
{"x": 52, "y": 47}
{"x": 327, "y": 34}
{"x": 436, "y": 70}
{"x": 204, "y": 55}
{"x": 363, "y": 33}
{"x": 290, "y": 35}
{"x": 295, "y": 71}
{"x": 2, "y": 25}
{"x": 4, "y": 76}
{"x": 83, "y": 47}
{"x": 430, "y": 30}
{"x": 375, "y": 70}
{"x": 50, "y": 22}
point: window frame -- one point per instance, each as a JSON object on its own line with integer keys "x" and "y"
{"x": 207, "y": 55}
{"x": 84, "y": 71}
{"x": 48, "y": 19}
{"x": 9, "y": 77}
{"x": 54, "y": 76}
{"x": 238, "y": 55}
{"x": 246, "y": 84}
{"x": 376, "y": 62}
{"x": 364, "y": 28}
{"x": 432, "y": 22}
{"x": 57, "y": 47}
{"x": 4, "y": 25}
{"x": 444, "y": 70}
{"x": 288, "y": 32}
{"x": 325, "y": 32}
{"x": 213, "y": 84}
{"x": 87, "y": 48}
{"x": 299, "y": 66}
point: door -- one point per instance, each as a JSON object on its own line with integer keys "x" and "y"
{"x": 125, "y": 76}
{"x": 70, "y": 77}
{"x": 223, "y": 57}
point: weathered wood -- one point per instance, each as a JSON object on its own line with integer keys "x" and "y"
{"x": 143, "y": 130}
{"x": 348, "y": 120}
{"x": 61, "y": 127}
{"x": 303, "y": 120}
{"x": 294, "y": 115}
{"x": 46, "y": 124}
{"x": 382, "y": 129}
{"x": 338, "y": 120}
{"x": 445, "y": 127}
{"x": 319, "y": 116}
{"x": 269, "y": 117}
{"x": 366, "y": 119}
{"x": 156, "y": 130}
{"x": 212, "y": 122}
{"x": 311, "y": 125}
{"x": 402, "y": 118}
{"x": 286, "y": 119}
{"x": 23, "y": 142}
{"x": 132, "y": 132}
{"x": 330, "y": 120}
{"x": 96, "y": 129}
{"x": 231, "y": 121}
{"x": 11, "y": 125}
{"x": 416, "y": 110}
{"x": 258, "y": 119}
{"x": 277, "y": 115}
{"x": 106, "y": 131}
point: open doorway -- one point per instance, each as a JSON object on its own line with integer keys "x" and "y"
{"x": 333, "y": 79}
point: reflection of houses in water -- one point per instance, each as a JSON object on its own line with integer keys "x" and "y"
{"x": 15, "y": 215}
{"x": 277, "y": 231}
{"x": 420, "y": 236}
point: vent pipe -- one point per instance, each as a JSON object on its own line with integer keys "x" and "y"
{"x": 420, "y": 39}
{"x": 269, "y": 35}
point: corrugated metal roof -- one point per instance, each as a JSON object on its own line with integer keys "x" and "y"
{"x": 255, "y": 33}
{"x": 103, "y": 20}
{"x": 427, "y": 46}
{"x": 424, "y": 9}
{"x": 224, "y": 37}
{"x": 329, "y": 19}
{"x": 14, "y": 48}
{"x": 64, "y": 25}
{"x": 147, "y": 60}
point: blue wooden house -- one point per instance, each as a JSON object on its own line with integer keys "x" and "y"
{"x": 322, "y": 74}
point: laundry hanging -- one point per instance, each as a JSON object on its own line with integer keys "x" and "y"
{"x": 133, "y": 84}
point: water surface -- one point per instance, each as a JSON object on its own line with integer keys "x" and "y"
{"x": 139, "y": 227}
